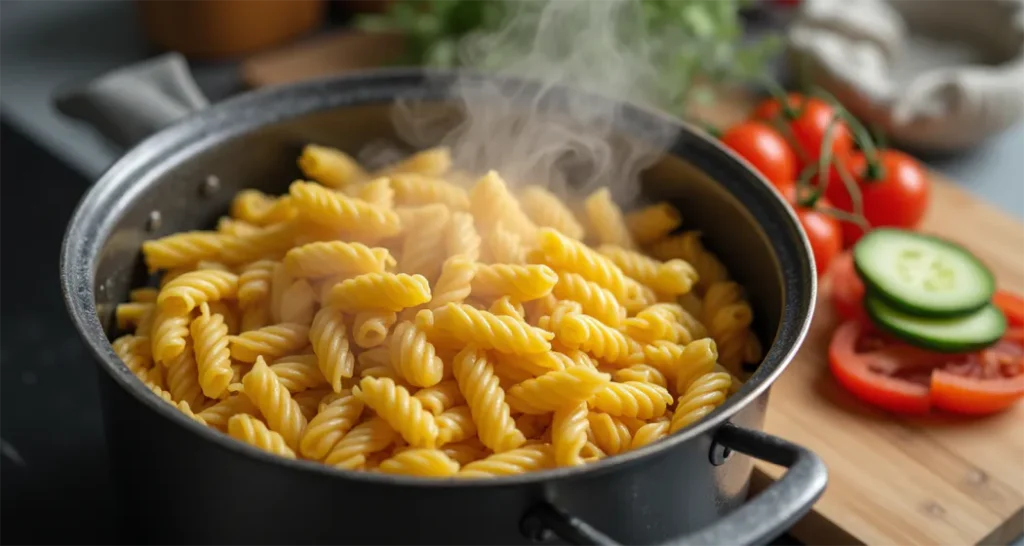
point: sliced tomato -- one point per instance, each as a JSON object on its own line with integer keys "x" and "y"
{"x": 905, "y": 379}
{"x": 846, "y": 290}
{"x": 1012, "y": 306}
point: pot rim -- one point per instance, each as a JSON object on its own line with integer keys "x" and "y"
{"x": 100, "y": 209}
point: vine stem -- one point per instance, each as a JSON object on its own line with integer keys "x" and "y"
{"x": 875, "y": 169}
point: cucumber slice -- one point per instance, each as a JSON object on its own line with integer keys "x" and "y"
{"x": 969, "y": 332}
{"x": 923, "y": 274}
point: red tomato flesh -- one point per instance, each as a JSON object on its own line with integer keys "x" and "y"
{"x": 1012, "y": 306}
{"x": 846, "y": 290}
{"x": 905, "y": 379}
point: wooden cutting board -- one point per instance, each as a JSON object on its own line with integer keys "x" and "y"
{"x": 892, "y": 480}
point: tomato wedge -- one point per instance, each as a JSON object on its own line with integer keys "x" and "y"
{"x": 905, "y": 379}
{"x": 1012, "y": 306}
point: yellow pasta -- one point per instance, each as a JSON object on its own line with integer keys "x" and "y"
{"x": 182, "y": 249}
{"x": 502, "y": 333}
{"x": 489, "y": 340}
{"x": 298, "y": 303}
{"x": 370, "y": 328}
{"x": 330, "y": 166}
{"x": 605, "y": 219}
{"x": 440, "y": 397}
{"x": 329, "y": 337}
{"x": 414, "y": 357}
{"x": 128, "y": 315}
{"x": 705, "y": 394}
{"x": 611, "y": 435}
{"x": 417, "y": 190}
{"x": 299, "y": 372}
{"x": 594, "y": 300}
{"x": 673, "y": 277}
{"x": 579, "y": 331}
{"x": 424, "y": 241}
{"x": 632, "y": 399}
{"x": 335, "y": 418}
{"x": 328, "y": 258}
{"x": 508, "y": 306}
{"x": 380, "y": 292}
{"x": 493, "y": 418}
{"x": 169, "y": 334}
{"x": 186, "y": 292}
{"x": 455, "y": 425}
{"x": 281, "y": 412}
{"x": 555, "y": 390}
{"x": 462, "y": 237}
{"x": 522, "y": 282}
{"x": 432, "y": 463}
{"x": 271, "y": 342}
{"x": 334, "y": 210}
{"x": 547, "y": 210}
{"x": 377, "y": 192}
{"x": 569, "y": 434}
{"x": 404, "y": 413}
{"x": 491, "y": 204}
{"x": 430, "y": 162}
{"x": 653, "y": 222}
{"x": 563, "y": 253}
{"x": 366, "y": 438}
{"x": 210, "y": 338}
{"x": 217, "y": 415}
{"x": 252, "y": 431}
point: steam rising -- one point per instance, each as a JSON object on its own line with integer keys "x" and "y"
{"x": 533, "y": 133}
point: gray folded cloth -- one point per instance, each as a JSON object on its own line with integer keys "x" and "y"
{"x": 131, "y": 103}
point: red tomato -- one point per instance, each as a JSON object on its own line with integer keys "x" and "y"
{"x": 846, "y": 289}
{"x": 823, "y": 231}
{"x": 765, "y": 149}
{"x": 812, "y": 119}
{"x": 905, "y": 379}
{"x": 1012, "y": 306}
{"x": 896, "y": 198}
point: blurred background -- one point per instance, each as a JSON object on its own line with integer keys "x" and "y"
{"x": 942, "y": 83}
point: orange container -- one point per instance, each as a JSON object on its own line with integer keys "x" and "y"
{"x": 211, "y": 29}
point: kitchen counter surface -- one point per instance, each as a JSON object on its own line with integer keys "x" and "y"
{"x": 52, "y": 446}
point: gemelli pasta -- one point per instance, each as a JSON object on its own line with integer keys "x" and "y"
{"x": 413, "y": 320}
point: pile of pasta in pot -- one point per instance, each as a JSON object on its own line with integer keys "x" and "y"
{"x": 419, "y": 321}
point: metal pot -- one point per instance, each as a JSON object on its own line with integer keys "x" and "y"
{"x": 183, "y": 483}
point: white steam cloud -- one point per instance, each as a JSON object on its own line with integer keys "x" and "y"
{"x": 535, "y": 133}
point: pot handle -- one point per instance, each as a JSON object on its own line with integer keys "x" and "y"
{"x": 133, "y": 102}
{"x": 768, "y": 515}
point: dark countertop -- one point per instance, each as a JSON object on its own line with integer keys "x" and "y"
{"x": 51, "y": 440}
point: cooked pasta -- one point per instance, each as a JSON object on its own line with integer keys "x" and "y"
{"x": 282, "y": 414}
{"x": 419, "y": 321}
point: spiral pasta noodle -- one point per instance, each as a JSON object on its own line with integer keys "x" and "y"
{"x": 502, "y": 333}
{"x": 547, "y": 210}
{"x": 329, "y": 337}
{"x": 422, "y": 321}
{"x": 336, "y": 417}
{"x": 400, "y": 409}
{"x": 327, "y": 258}
{"x": 380, "y": 292}
{"x": 275, "y": 403}
{"x": 493, "y": 418}
{"x": 252, "y": 431}
{"x": 271, "y": 342}
{"x": 414, "y": 357}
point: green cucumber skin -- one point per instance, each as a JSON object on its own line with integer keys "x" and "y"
{"x": 930, "y": 343}
{"x": 910, "y": 307}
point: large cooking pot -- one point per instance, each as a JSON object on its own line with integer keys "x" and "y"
{"x": 179, "y": 482}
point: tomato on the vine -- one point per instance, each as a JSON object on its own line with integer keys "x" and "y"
{"x": 901, "y": 378}
{"x": 894, "y": 191}
{"x": 808, "y": 120}
{"x": 765, "y": 149}
{"x": 823, "y": 231}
